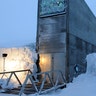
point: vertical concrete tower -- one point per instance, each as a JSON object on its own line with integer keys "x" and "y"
{"x": 65, "y": 35}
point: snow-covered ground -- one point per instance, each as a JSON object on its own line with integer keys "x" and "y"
{"x": 83, "y": 85}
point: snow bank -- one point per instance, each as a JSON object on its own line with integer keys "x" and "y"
{"x": 91, "y": 64}
{"x": 84, "y": 84}
{"x": 21, "y": 58}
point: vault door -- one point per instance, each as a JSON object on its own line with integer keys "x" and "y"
{"x": 59, "y": 62}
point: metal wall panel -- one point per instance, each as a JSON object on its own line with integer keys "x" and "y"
{"x": 52, "y": 34}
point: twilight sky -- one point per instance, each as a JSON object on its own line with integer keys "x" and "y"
{"x": 18, "y": 20}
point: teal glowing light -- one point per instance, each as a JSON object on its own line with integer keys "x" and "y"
{"x": 51, "y": 6}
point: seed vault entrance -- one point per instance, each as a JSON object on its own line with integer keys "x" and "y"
{"x": 51, "y": 35}
{"x": 52, "y": 61}
{"x": 63, "y": 34}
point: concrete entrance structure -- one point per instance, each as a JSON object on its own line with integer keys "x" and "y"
{"x": 66, "y": 33}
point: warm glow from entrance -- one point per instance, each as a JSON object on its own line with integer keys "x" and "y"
{"x": 45, "y": 62}
{"x": 17, "y": 59}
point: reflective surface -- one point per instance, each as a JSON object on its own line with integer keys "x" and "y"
{"x": 51, "y": 6}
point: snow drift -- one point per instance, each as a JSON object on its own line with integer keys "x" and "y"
{"x": 20, "y": 58}
{"x": 84, "y": 84}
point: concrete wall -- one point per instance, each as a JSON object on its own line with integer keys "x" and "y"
{"x": 82, "y": 34}
{"x": 52, "y": 34}
{"x": 82, "y": 22}
{"x": 51, "y": 40}
{"x": 72, "y": 48}
{"x": 52, "y": 43}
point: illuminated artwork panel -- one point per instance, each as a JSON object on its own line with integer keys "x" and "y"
{"x": 49, "y": 7}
